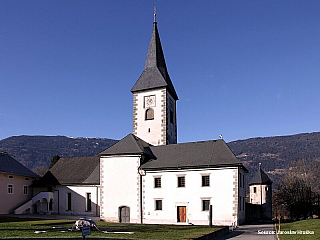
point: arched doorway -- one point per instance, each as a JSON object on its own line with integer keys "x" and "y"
{"x": 124, "y": 214}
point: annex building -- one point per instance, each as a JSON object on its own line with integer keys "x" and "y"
{"x": 147, "y": 177}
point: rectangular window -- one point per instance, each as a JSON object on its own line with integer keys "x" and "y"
{"x": 10, "y": 188}
{"x": 68, "y": 201}
{"x": 254, "y": 189}
{"x": 25, "y": 190}
{"x": 89, "y": 208}
{"x": 205, "y": 205}
{"x": 240, "y": 203}
{"x": 181, "y": 182}
{"x": 158, "y": 204}
{"x": 240, "y": 178}
{"x": 243, "y": 181}
{"x": 206, "y": 181}
{"x": 157, "y": 182}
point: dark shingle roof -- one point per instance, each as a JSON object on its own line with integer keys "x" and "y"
{"x": 11, "y": 166}
{"x": 130, "y": 144}
{"x": 72, "y": 171}
{"x": 155, "y": 74}
{"x": 260, "y": 178}
{"x": 215, "y": 153}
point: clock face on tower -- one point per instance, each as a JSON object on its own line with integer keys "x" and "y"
{"x": 149, "y": 101}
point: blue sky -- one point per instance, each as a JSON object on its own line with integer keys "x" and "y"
{"x": 242, "y": 69}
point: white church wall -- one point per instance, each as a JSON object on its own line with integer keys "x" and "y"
{"x": 120, "y": 180}
{"x": 78, "y": 203}
{"x": 220, "y": 193}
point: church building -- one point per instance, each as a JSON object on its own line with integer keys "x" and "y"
{"x": 147, "y": 177}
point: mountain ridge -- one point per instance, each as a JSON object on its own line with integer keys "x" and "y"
{"x": 276, "y": 153}
{"x": 37, "y": 151}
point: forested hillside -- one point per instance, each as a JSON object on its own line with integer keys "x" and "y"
{"x": 36, "y": 152}
{"x": 277, "y": 154}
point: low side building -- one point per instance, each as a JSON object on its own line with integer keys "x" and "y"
{"x": 15, "y": 181}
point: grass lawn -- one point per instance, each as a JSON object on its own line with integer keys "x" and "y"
{"x": 25, "y": 228}
{"x": 303, "y": 225}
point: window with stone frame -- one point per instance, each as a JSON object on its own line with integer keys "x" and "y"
{"x": 181, "y": 181}
{"x": 149, "y": 114}
{"x": 157, "y": 182}
{"x": 205, "y": 181}
{"x": 205, "y": 204}
{"x": 10, "y": 188}
{"x": 158, "y": 204}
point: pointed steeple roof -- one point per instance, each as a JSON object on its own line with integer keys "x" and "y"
{"x": 260, "y": 178}
{"x": 155, "y": 73}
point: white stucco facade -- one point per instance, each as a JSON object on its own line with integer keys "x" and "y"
{"x": 123, "y": 186}
{"x": 120, "y": 182}
{"x": 160, "y": 130}
{"x": 223, "y": 194}
{"x": 81, "y": 197}
{"x": 259, "y": 193}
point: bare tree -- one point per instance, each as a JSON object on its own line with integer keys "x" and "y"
{"x": 298, "y": 189}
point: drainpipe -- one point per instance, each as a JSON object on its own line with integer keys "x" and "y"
{"x": 141, "y": 203}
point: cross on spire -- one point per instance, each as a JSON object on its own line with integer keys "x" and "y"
{"x": 154, "y": 13}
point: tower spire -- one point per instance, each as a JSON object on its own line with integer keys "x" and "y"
{"x": 155, "y": 74}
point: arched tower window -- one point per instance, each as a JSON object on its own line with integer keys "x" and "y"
{"x": 149, "y": 114}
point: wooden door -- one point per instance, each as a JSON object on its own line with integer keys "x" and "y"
{"x": 182, "y": 213}
{"x": 125, "y": 215}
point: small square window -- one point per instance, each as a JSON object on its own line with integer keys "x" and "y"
{"x": 157, "y": 182}
{"x": 205, "y": 205}
{"x": 206, "y": 181}
{"x": 158, "y": 204}
{"x": 181, "y": 182}
{"x": 10, "y": 188}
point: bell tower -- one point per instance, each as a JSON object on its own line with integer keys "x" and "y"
{"x": 154, "y": 98}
